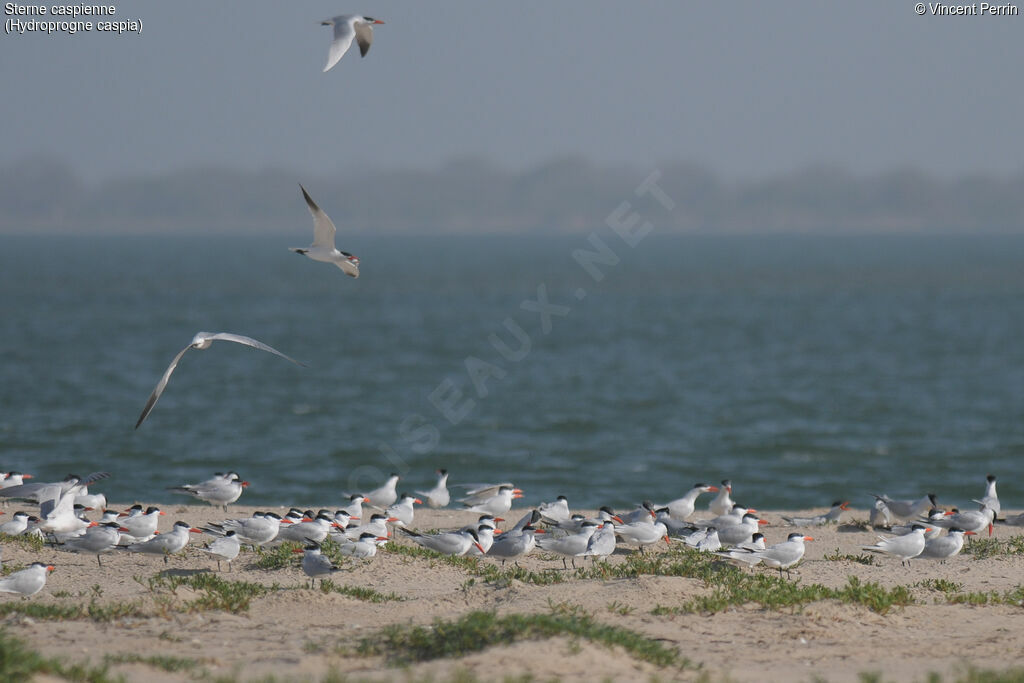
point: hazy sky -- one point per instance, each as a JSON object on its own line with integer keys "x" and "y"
{"x": 750, "y": 88}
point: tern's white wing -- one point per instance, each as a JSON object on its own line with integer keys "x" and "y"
{"x": 50, "y": 498}
{"x": 249, "y": 341}
{"x": 323, "y": 227}
{"x": 160, "y": 386}
{"x": 343, "y": 35}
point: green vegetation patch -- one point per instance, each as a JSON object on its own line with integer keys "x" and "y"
{"x": 403, "y": 644}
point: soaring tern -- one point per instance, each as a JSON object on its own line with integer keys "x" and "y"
{"x": 203, "y": 340}
{"x": 349, "y": 27}
{"x": 323, "y": 248}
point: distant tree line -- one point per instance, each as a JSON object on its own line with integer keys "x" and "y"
{"x": 472, "y": 196}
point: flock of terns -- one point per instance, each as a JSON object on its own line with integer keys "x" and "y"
{"x": 731, "y": 532}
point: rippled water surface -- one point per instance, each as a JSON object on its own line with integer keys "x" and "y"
{"x": 803, "y": 368}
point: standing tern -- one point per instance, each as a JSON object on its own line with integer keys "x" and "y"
{"x": 904, "y": 547}
{"x": 386, "y": 495}
{"x": 226, "y": 547}
{"x": 722, "y": 503}
{"x": 643, "y": 533}
{"x": 880, "y": 516}
{"x": 681, "y": 508}
{"x": 403, "y": 510}
{"x": 98, "y": 539}
{"x": 315, "y": 564}
{"x": 991, "y": 499}
{"x": 349, "y": 27}
{"x": 438, "y": 497}
{"x": 141, "y": 525}
{"x": 323, "y": 248}
{"x": 569, "y": 546}
{"x": 830, "y": 517}
{"x": 220, "y": 491}
{"x": 512, "y": 546}
{"x": 203, "y": 340}
{"x": 485, "y": 539}
{"x": 28, "y": 581}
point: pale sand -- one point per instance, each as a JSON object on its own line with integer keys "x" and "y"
{"x": 276, "y": 636}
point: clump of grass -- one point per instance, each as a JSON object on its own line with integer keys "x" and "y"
{"x": 94, "y": 611}
{"x": 33, "y": 542}
{"x": 280, "y": 557}
{"x": 941, "y": 585}
{"x": 162, "y": 662}
{"x": 1010, "y": 597}
{"x": 217, "y": 593}
{"x": 984, "y": 548}
{"x": 863, "y": 558}
{"x": 403, "y": 644}
{"x": 20, "y": 663}
{"x": 364, "y": 594}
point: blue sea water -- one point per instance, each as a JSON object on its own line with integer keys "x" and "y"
{"x": 803, "y": 368}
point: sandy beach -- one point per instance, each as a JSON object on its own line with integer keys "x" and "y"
{"x": 291, "y": 632}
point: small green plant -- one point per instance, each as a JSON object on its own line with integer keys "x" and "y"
{"x": 364, "y": 594}
{"x": 863, "y": 558}
{"x": 33, "y": 542}
{"x": 941, "y": 585}
{"x": 20, "y": 663}
{"x": 616, "y": 607}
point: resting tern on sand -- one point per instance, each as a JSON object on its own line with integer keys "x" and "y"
{"x": 17, "y": 525}
{"x": 455, "y": 543}
{"x": 28, "y": 581}
{"x": 904, "y": 547}
{"x": 498, "y": 504}
{"x": 166, "y": 544}
{"x": 438, "y": 497}
{"x": 203, "y": 340}
{"x": 258, "y": 530}
{"x": 783, "y": 556}
{"x": 602, "y": 542}
{"x": 944, "y": 547}
{"x": 971, "y": 520}
{"x": 349, "y": 27}
{"x": 364, "y": 547}
{"x": 737, "y": 534}
{"x": 141, "y": 525}
{"x": 220, "y": 490}
{"x": 908, "y": 509}
{"x": 323, "y": 248}
{"x": 553, "y": 513}
{"x": 740, "y": 554}
{"x": 830, "y": 517}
